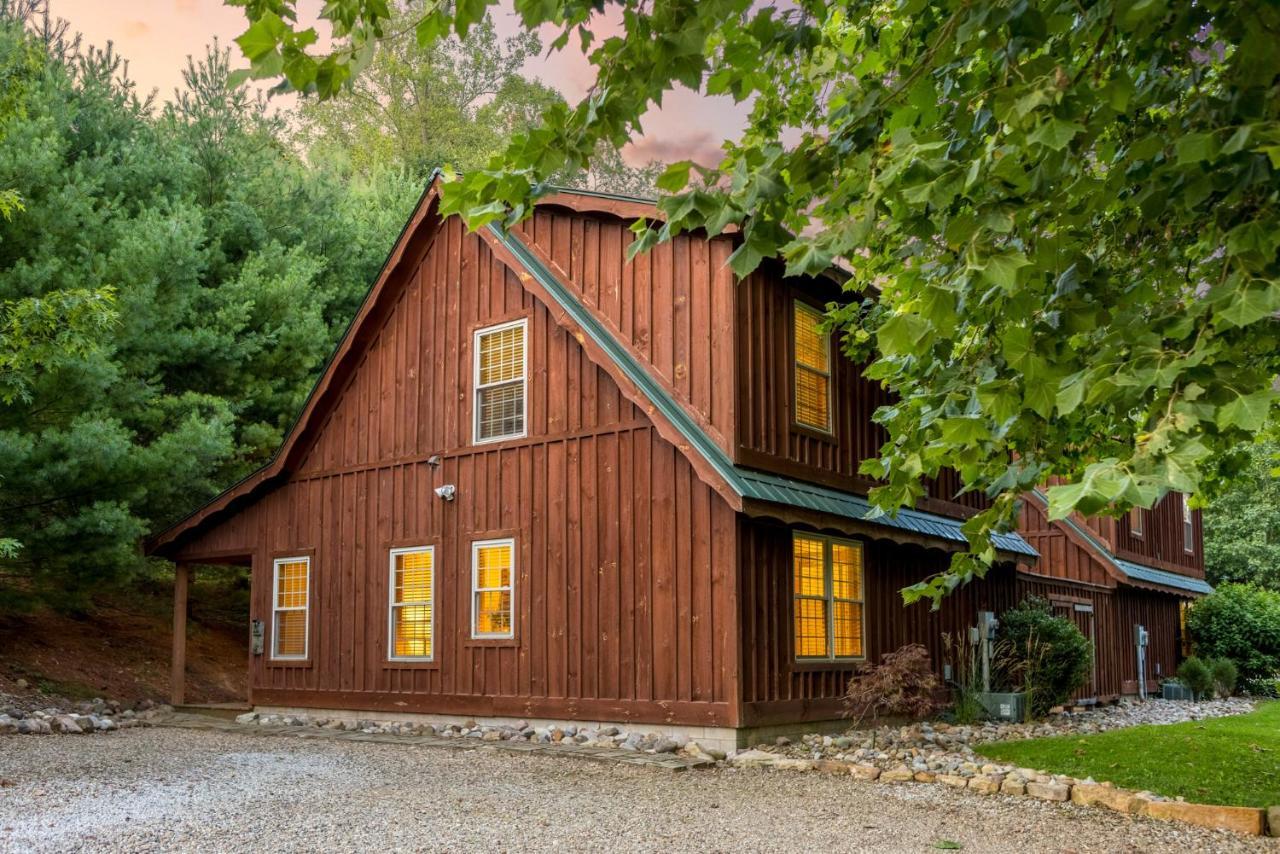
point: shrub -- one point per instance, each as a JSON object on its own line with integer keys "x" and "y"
{"x": 1196, "y": 675}
{"x": 902, "y": 683}
{"x": 1225, "y": 676}
{"x": 1266, "y": 687}
{"x": 966, "y": 708}
{"x": 1042, "y": 654}
{"x": 1240, "y": 622}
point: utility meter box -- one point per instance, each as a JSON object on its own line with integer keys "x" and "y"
{"x": 256, "y": 636}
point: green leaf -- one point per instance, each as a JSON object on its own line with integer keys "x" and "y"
{"x": 1247, "y": 411}
{"x": 964, "y": 431}
{"x": 1070, "y": 393}
{"x": 1252, "y": 303}
{"x": 675, "y": 177}
{"x": 262, "y": 37}
{"x": 1002, "y": 269}
{"x": 1056, "y": 133}
{"x": 947, "y": 845}
{"x": 902, "y": 334}
{"x": 1195, "y": 148}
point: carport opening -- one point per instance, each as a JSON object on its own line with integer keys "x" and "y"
{"x": 210, "y": 641}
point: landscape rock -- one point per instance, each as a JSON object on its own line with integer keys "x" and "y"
{"x": 900, "y": 774}
{"x": 66, "y": 724}
{"x": 1247, "y": 820}
{"x": 1100, "y": 795}
{"x": 1049, "y": 791}
{"x": 1273, "y": 821}
{"x": 753, "y": 759}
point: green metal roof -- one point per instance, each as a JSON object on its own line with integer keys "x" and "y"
{"x": 1160, "y": 576}
{"x": 1130, "y": 570}
{"x": 746, "y": 483}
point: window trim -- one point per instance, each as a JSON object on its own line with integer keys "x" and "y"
{"x": 798, "y": 305}
{"x": 828, "y": 597}
{"x": 523, "y": 323}
{"x": 476, "y": 545}
{"x": 1137, "y": 520}
{"x": 392, "y": 604}
{"x": 1188, "y": 527}
{"x": 276, "y": 609}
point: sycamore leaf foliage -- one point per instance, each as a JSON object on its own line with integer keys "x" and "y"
{"x": 1059, "y": 219}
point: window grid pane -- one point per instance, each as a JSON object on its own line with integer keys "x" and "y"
{"x": 412, "y": 609}
{"x": 289, "y": 613}
{"x": 828, "y": 589}
{"x": 500, "y": 383}
{"x": 812, "y": 369}
{"x": 502, "y": 355}
{"x": 492, "y": 589}
{"x": 291, "y": 633}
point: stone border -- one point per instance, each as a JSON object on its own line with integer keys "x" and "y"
{"x": 1245, "y": 820}
{"x": 664, "y": 761}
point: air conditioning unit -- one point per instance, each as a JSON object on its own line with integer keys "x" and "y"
{"x": 1004, "y": 707}
{"x": 1175, "y": 691}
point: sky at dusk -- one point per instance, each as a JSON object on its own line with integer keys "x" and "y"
{"x": 157, "y": 36}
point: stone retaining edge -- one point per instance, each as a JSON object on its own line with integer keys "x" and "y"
{"x": 1251, "y": 821}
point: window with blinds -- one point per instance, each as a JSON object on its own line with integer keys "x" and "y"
{"x": 492, "y": 580}
{"x": 812, "y": 369}
{"x": 291, "y": 591}
{"x": 1188, "y": 526}
{"x": 828, "y": 598}
{"x": 412, "y": 603}
{"x": 500, "y": 382}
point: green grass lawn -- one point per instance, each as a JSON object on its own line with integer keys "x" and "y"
{"x": 1233, "y": 761}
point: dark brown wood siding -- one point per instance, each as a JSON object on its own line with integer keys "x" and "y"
{"x": 777, "y": 689}
{"x": 672, "y": 307}
{"x": 767, "y": 436}
{"x": 1162, "y": 543}
{"x": 625, "y": 604}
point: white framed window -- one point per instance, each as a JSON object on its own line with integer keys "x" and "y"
{"x": 500, "y": 382}
{"x": 493, "y": 569}
{"x": 1135, "y": 521}
{"x": 1188, "y": 527}
{"x": 290, "y": 608}
{"x": 828, "y": 598}
{"x": 811, "y": 369}
{"x": 412, "y": 606}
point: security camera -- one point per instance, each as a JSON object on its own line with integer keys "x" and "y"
{"x": 446, "y": 492}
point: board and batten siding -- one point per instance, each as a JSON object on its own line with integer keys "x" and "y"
{"x": 624, "y": 586}
{"x": 672, "y": 307}
{"x": 778, "y": 689}
{"x": 768, "y": 438}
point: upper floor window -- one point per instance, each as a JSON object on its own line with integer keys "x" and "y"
{"x": 1188, "y": 527}
{"x": 413, "y": 603}
{"x": 290, "y": 604}
{"x": 812, "y": 369}
{"x": 827, "y": 597}
{"x": 1135, "y": 521}
{"x": 493, "y": 566}
{"x": 500, "y": 382}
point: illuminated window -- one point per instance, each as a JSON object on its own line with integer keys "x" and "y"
{"x": 500, "y": 382}
{"x": 492, "y": 572}
{"x": 1135, "y": 521}
{"x": 812, "y": 369}
{"x": 1188, "y": 527}
{"x": 828, "y": 597}
{"x": 291, "y": 592}
{"x": 413, "y": 603}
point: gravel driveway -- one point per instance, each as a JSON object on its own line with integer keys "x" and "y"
{"x": 175, "y": 790}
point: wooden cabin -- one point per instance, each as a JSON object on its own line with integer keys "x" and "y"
{"x": 1113, "y": 575}
{"x": 539, "y": 481}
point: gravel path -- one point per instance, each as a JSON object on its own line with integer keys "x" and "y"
{"x": 174, "y": 790}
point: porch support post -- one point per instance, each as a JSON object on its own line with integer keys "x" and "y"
{"x": 178, "y": 675}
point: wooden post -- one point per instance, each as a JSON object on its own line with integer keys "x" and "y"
{"x": 178, "y": 675}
